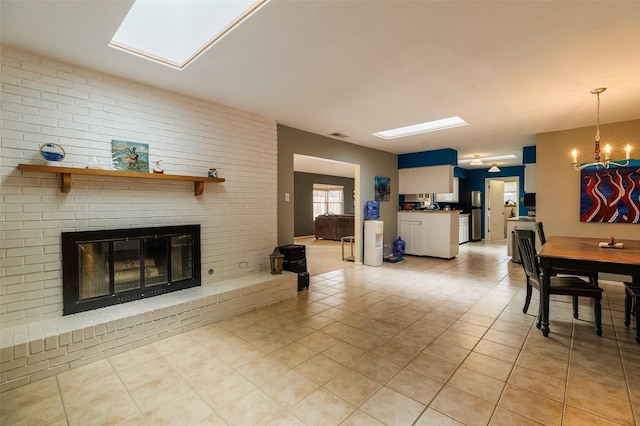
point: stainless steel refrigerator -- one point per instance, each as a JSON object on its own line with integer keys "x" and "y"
{"x": 476, "y": 215}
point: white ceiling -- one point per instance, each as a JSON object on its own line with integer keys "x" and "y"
{"x": 323, "y": 166}
{"x": 510, "y": 69}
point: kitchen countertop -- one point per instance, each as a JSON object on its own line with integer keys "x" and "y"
{"x": 523, "y": 218}
{"x": 430, "y": 211}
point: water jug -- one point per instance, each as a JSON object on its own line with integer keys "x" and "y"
{"x": 372, "y": 211}
{"x": 398, "y": 247}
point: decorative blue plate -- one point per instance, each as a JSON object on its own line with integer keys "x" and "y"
{"x": 52, "y": 152}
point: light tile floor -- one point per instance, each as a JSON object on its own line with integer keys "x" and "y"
{"x": 419, "y": 342}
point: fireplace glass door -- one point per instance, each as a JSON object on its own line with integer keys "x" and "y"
{"x": 127, "y": 265}
{"x": 102, "y": 268}
{"x": 93, "y": 269}
{"x": 181, "y": 257}
{"x": 156, "y": 261}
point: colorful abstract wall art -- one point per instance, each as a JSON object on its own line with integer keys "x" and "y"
{"x": 610, "y": 195}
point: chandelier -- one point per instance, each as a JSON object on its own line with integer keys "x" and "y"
{"x": 607, "y": 149}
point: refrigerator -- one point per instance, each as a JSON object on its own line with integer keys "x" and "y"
{"x": 476, "y": 216}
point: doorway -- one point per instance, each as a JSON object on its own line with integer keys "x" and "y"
{"x": 502, "y": 202}
{"x": 324, "y": 166}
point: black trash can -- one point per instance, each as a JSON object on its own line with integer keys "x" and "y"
{"x": 295, "y": 260}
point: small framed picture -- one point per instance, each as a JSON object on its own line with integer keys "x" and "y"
{"x": 213, "y": 173}
{"x": 383, "y": 188}
{"x": 129, "y": 156}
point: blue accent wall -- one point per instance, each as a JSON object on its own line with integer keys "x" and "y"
{"x": 459, "y": 173}
{"x": 469, "y": 180}
{"x": 476, "y": 179}
{"x": 529, "y": 155}
{"x": 436, "y": 157}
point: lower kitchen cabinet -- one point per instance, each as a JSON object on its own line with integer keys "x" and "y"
{"x": 410, "y": 229}
{"x": 430, "y": 233}
{"x": 463, "y": 235}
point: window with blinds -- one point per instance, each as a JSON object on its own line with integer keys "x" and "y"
{"x": 327, "y": 199}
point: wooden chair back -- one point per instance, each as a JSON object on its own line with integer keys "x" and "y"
{"x": 526, "y": 240}
{"x": 540, "y": 230}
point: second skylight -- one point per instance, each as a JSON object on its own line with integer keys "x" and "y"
{"x": 415, "y": 129}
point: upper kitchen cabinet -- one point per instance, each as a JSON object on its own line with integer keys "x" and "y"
{"x": 529, "y": 161}
{"x": 449, "y": 197}
{"x": 432, "y": 179}
{"x": 530, "y": 178}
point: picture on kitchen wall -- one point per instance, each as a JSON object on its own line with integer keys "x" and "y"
{"x": 610, "y": 195}
{"x": 130, "y": 156}
{"x": 383, "y": 188}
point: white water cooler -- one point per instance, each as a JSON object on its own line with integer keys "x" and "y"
{"x": 373, "y": 245}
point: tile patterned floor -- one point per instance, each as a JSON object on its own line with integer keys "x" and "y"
{"x": 419, "y": 342}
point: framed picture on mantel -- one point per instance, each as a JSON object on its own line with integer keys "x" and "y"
{"x": 130, "y": 156}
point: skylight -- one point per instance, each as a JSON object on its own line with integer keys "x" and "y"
{"x": 174, "y": 32}
{"x": 415, "y": 129}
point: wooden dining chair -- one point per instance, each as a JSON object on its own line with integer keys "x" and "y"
{"x": 563, "y": 285}
{"x": 631, "y": 300}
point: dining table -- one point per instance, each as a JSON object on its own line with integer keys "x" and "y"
{"x": 588, "y": 255}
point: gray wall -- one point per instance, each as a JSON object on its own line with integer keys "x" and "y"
{"x": 303, "y": 198}
{"x": 372, "y": 163}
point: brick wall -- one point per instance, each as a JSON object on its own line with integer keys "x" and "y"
{"x": 47, "y": 101}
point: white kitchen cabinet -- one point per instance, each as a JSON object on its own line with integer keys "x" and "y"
{"x": 432, "y": 233}
{"x": 463, "y": 235}
{"x": 530, "y": 178}
{"x": 410, "y": 229}
{"x": 449, "y": 197}
{"x": 432, "y": 179}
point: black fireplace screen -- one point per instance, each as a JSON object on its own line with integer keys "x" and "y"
{"x": 102, "y": 268}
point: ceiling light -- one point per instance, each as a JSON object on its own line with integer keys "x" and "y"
{"x": 175, "y": 33}
{"x": 491, "y": 159}
{"x": 494, "y": 168}
{"x": 476, "y": 161}
{"x": 415, "y": 129}
{"x": 607, "y": 149}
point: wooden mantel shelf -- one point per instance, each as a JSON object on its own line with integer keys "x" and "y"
{"x": 66, "y": 172}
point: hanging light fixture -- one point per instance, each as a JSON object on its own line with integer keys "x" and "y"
{"x": 476, "y": 161}
{"x": 607, "y": 149}
{"x": 494, "y": 168}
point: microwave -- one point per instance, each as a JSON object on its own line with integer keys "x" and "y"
{"x": 530, "y": 199}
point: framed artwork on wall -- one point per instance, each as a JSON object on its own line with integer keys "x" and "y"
{"x": 610, "y": 195}
{"x": 383, "y": 188}
{"x": 130, "y": 156}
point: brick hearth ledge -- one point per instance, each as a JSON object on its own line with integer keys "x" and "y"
{"x": 41, "y": 349}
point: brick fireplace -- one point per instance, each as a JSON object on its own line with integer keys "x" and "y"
{"x": 84, "y": 110}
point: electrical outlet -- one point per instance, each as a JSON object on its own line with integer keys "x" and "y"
{"x": 242, "y": 264}
{"x": 287, "y": 197}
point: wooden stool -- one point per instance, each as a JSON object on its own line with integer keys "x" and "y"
{"x": 631, "y": 299}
